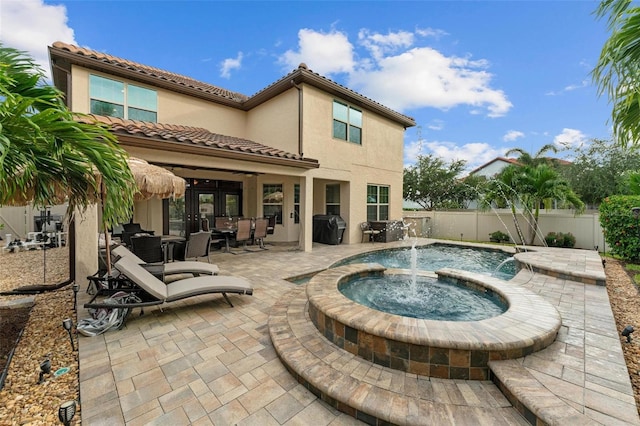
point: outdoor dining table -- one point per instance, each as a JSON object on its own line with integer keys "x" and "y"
{"x": 228, "y": 233}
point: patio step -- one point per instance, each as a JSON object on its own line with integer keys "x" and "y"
{"x": 531, "y": 398}
{"x": 372, "y": 393}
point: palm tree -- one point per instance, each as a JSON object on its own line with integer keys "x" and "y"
{"x": 529, "y": 187}
{"x": 502, "y": 190}
{"x": 526, "y": 159}
{"x": 618, "y": 68}
{"x": 541, "y": 186}
{"x": 47, "y": 155}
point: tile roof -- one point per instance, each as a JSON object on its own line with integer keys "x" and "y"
{"x": 151, "y": 72}
{"x": 150, "y": 75}
{"x": 304, "y": 74}
{"x": 194, "y": 136}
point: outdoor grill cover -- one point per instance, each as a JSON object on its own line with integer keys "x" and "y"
{"x": 328, "y": 229}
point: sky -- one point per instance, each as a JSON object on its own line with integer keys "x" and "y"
{"x": 478, "y": 77}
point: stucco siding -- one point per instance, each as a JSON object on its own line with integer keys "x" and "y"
{"x": 173, "y": 108}
{"x": 275, "y": 122}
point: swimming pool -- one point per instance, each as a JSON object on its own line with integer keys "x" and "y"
{"x": 436, "y": 256}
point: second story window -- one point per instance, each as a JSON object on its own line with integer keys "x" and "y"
{"x": 117, "y": 99}
{"x": 347, "y": 123}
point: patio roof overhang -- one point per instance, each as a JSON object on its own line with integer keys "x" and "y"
{"x": 185, "y": 148}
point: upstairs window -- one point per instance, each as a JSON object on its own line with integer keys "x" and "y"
{"x": 377, "y": 202}
{"x": 347, "y": 123}
{"x": 117, "y": 99}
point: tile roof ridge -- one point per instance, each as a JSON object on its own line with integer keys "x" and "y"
{"x": 189, "y": 134}
{"x": 303, "y": 69}
{"x": 151, "y": 71}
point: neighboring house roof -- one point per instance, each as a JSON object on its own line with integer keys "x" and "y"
{"x": 514, "y": 161}
{"x": 502, "y": 159}
{"x": 63, "y": 55}
{"x": 197, "y": 140}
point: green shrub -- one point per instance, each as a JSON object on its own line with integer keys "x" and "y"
{"x": 558, "y": 239}
{"x": 551, "y": 239}
{"x": 620, "y": 226}
{"x": 568, "y": 240}
{"x": 499, "y": 237}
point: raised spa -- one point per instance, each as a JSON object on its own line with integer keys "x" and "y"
{"x": 443, "y": 349}
{"x": 426, "y": 297}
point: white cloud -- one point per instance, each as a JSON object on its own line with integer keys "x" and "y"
{"x": 570, "y": 88}
{"x": 324, "y": 53}
{"x": 512, "y": 135}
{"x": 569, "y": 138}
{"x": 230, "y": 64}
{"x": 379, "y": 45}
{"x": 32, "y": 26}
{"x": 431, "y": 32}
{"x": 424, "y": 77}
{"x": 390, "y": 69}
{"x": 435, "y": 125}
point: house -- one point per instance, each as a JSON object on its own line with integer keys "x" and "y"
{"x": 302, "y": 146}
{"x": 493, "y": 167}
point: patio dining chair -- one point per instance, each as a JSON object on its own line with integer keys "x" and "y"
{"x": 260, "y": 231}
{"x": 197, "y": 246}
{"x": 367, "y": 230}
{"x": 243, "y": 234}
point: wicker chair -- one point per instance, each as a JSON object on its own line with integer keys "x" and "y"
{"x": 148, "y": 248}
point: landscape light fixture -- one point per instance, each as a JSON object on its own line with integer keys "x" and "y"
{"x": 635, "y": 211}
{"x": 68, "y": 324}
{"x": 66, "y": 412}
{"x": 76, "y": 289}
{"x": 627, "y": 332}
{"x": 45, "y": 368}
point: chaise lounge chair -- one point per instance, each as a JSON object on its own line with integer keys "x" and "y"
{"x": 182, "y": 267}
{"x": 151, "y": 291}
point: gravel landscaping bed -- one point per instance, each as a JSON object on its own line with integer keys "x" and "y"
{"x": 23, "y": 401}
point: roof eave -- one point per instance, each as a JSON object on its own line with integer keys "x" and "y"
{"x": 134, "y": 75}
{"x": 171, "y": 146}
{"x": 301, "y": 75}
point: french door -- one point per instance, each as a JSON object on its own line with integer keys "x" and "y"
{"x": 202, "y": 199}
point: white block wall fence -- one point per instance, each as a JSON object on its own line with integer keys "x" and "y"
{"x": 475, "y": 225}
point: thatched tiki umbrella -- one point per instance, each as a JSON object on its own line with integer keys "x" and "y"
{"x": 152, "y": 182}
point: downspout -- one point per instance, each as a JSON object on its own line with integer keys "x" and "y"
{"x": 300, "y": 145}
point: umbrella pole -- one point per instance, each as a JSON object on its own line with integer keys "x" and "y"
{"x": 106, "y": 233}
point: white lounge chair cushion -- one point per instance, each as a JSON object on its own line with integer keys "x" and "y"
{"x": 182, "y": 288}
{"x": 143, "y": 278}
{"x": 186, "y": 267}
{"x": 203, "y": 285}
{"x": 190, "y": 267}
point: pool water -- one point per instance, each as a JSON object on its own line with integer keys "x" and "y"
{"x": 437, "y": 256}
{"x": 430, "y": 298}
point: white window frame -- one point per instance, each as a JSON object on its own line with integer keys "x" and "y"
{"x": 377, "y": 203}
{"x": 126, "y": 104}
{"x": 351, "y": 122}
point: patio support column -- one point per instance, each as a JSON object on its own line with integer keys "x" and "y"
{"x": 86, "y": 242}
{"x": 306, "y": 213}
